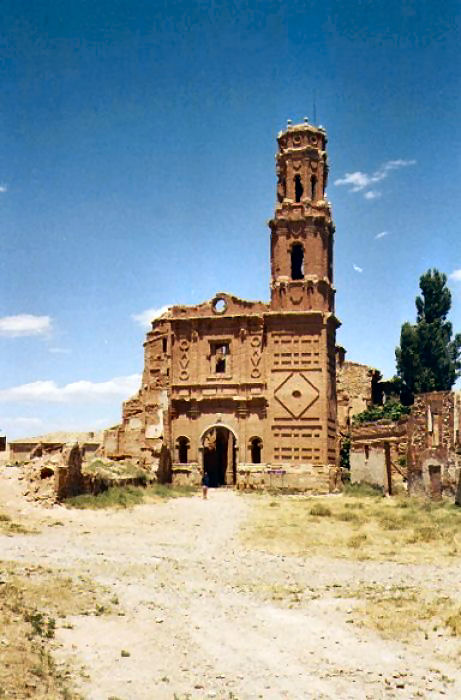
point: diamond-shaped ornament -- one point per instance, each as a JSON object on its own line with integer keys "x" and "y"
{"x": 296, "y": 394}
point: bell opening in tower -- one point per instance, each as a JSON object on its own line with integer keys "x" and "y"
{"x": 297, "y": 262}
{"x": 299, "y": 189}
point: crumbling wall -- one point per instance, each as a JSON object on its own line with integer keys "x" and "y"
{"x": 315, "y": 479}
{"x": 377, "y": 454}
{"x": 54, "y": 474}
{"x": 145, "y": 426}
{"x": 69, "y": 478}
{"x": 354, "y": 388}
{"x": 433, "y": 442}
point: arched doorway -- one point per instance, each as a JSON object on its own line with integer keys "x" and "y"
{"x": 219, "y": 456}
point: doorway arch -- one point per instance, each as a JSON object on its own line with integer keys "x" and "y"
{"x": 219, "y": 450}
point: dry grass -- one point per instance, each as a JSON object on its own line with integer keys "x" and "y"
{"x": 128, "y": 496}
{"x": 33, "y": 603}
{"x": 356, "y": 526}
{"x": 10, "y": 528}
{"x": 398, "y": 612}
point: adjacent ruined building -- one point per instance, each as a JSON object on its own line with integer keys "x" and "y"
{"x": 434, "y": 444}
{"x": 421, "y": 450}
{"x": 246, "y": 390}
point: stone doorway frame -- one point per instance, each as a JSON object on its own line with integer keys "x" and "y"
{"x": 201, "y": 450}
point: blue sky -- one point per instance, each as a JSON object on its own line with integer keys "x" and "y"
{"x": 137, "y": 145}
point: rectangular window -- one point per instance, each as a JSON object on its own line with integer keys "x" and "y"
{"x": 220, "y": 358}
{"x": 435, "y": 430}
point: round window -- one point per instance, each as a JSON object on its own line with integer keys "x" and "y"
{"x": 219, "y": 305}
{"x": 296, "y": 394}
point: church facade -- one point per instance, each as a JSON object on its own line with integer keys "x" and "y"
{"x": 246, "y": 390}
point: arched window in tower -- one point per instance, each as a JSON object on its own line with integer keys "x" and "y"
{"x": 281, "y": 188}
{"x": 313, "y": 187}
{"x": 297, "y": 262}
{"x": 182, "y": 445}
{"x": 256, "y": 447}
{"x": 299, "y": 189}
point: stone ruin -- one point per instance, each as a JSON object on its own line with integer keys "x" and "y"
{"x": 246, "y": 390}
{"x": 54, "y": 475}
{"x": 421, "y": 452}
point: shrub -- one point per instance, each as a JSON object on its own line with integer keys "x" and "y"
{"x": 391, "y": 410}
{"x": 356, "y": 541}
{"x": 363, "y": 490}
{"x": 320, "y": 510}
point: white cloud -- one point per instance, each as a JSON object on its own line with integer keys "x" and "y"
{"x": 381, "y": 235}
{"x": 24, "y": 324}
{"x": 3, "y": 188}
{"x": 59, "y": 351}
{"x": 19, "y": 423}
{"x": 81, "y": 391}
{"x": 360, "y": 181}
{"x": 145, "y": 317}
{"x": 372, "y": 194}
{"x": 357, "y": 268}
{"x": 455, "y": 275}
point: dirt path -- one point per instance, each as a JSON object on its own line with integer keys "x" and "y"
{"x": 200, "y": 619}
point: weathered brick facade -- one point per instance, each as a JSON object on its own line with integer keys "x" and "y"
{"x": 433, "y": 459}
{"x": 247, "y": 390}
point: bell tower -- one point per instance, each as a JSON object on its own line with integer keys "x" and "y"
{"x": 301, "y": 324}
{"x": 302, "y": 229}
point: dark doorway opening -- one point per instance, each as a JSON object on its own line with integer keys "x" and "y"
{"x": 219, "y": 460}
{"x": 435, "y": 475}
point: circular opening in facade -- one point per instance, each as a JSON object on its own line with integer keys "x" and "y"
{"x": 219, "y": 305}
{"x": 296, "y": 394}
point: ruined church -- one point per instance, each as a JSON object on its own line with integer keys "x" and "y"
{"x": 246, "y": 390}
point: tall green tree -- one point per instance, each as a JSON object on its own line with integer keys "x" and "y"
{"x": 428, "y": 358}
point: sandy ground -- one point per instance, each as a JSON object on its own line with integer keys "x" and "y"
{"x": 198, "y": 622}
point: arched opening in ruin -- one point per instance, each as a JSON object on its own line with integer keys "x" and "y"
{"x": 256, "y": 447}
{"x": 182, "y": 447}
{"x": 219, "y": 456}
{"x": 299, "y": 189}
{"x": 46, "y": 472}
{"x": 313, "y": 187}
{"x": 297, "y": 262}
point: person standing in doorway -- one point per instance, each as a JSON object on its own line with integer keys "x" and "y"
{"x": 205, "y": 484}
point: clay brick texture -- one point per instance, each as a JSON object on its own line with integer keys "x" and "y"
{"x": 246, "y": 390}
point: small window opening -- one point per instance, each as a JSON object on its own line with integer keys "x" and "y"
{"x": 281, "y": 188}
{"x": 367, "y": 452}
{"x": 435, "y": 430}
{"x": 220, "y": 354}
{"x": 299, "y": 189}
{"x": 297, "y": 262}
{"x": 164, "y": 344}
{"x": 256, "y": 447}
{"x": 183, "y": 449}
{"x": 313, "y": 187}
